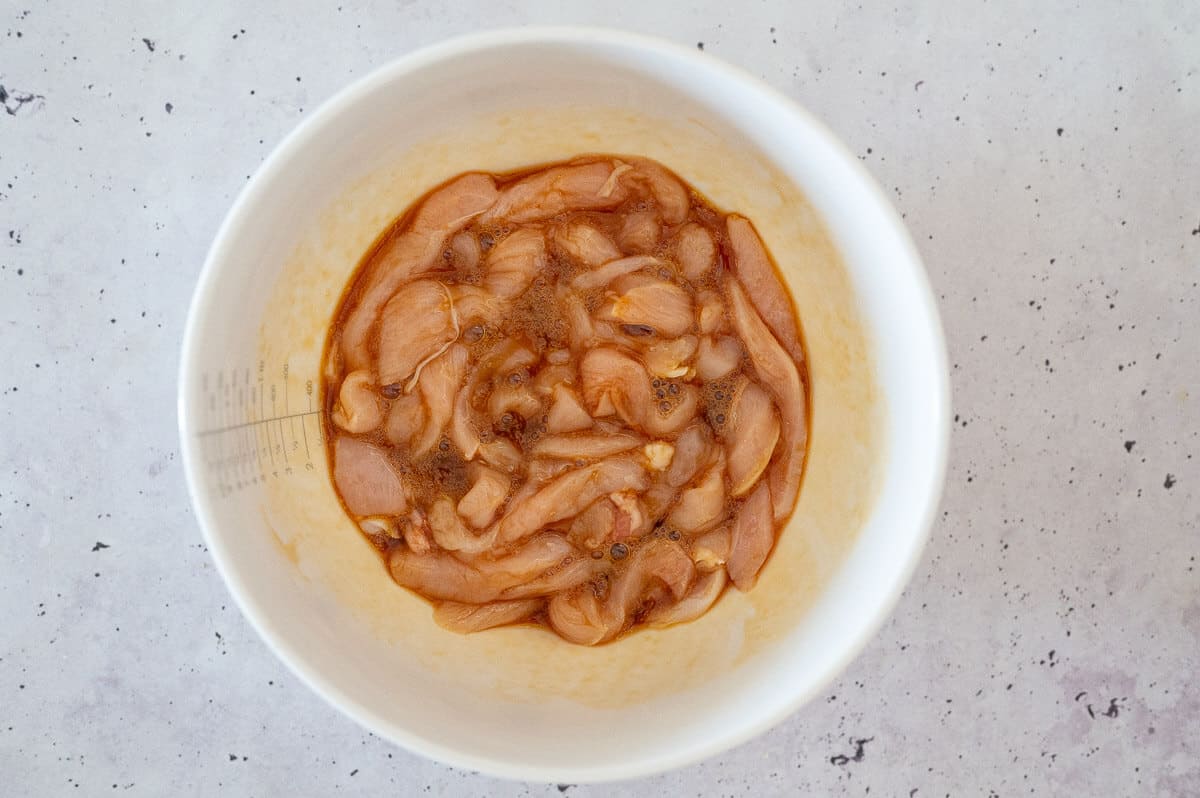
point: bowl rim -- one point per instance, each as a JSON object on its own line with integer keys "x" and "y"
{"x": 282, "y": 157}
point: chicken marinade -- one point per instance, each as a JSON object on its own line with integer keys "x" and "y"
{"x": 571, "y": 396}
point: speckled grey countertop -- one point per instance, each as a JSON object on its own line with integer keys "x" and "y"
{"x": 1046, "y": 162}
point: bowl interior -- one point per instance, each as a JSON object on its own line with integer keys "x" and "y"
{"x": 518, "y": 702}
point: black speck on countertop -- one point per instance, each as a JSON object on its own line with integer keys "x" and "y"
{"x": 1129, "y": 445}
{"x": 13, "y": 101}
{"x": 858, "y": 755}
{"x": 149, "y": 44}
{"x": 1060, "y": 131}
{"x": 699, "y": 45}
{"x": 1169, "y": 482}
{"x": 99, "y": 545}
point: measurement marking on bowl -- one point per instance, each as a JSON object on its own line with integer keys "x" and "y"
{"x": 246, "y": 441}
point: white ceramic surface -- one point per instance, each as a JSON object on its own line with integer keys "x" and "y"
{"x": 893, "y": 298}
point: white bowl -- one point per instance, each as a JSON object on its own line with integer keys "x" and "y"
{"x": 518, "y": 702}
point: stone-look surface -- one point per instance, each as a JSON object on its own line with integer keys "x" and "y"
{"x": 1045, "y": 158}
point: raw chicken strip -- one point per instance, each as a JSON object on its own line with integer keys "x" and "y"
{"x": 586, "y": 244}
{"x": 549, "y": 193}
{"x": 438, "y": 386}
{"x": 514, "y": 262}
{"x": 750, "y": 436}
{"x": 357, "y": 409}
{"x": 445, "y": 212}
{"x": 569, "y": 494}
{"x": 695, "y": 250}
{"x": 703, "y": 505}
{"x": 467, "y": 618}
{"x": 480, "y": 504}
{"x": 416, "y": 323}
{"x": 754, "y": 271}
{"x": 366, "y": 480}
{"x": 753, "y": 535}
{"x": 698, "y": 601}
{"x": 778, "y": 373}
